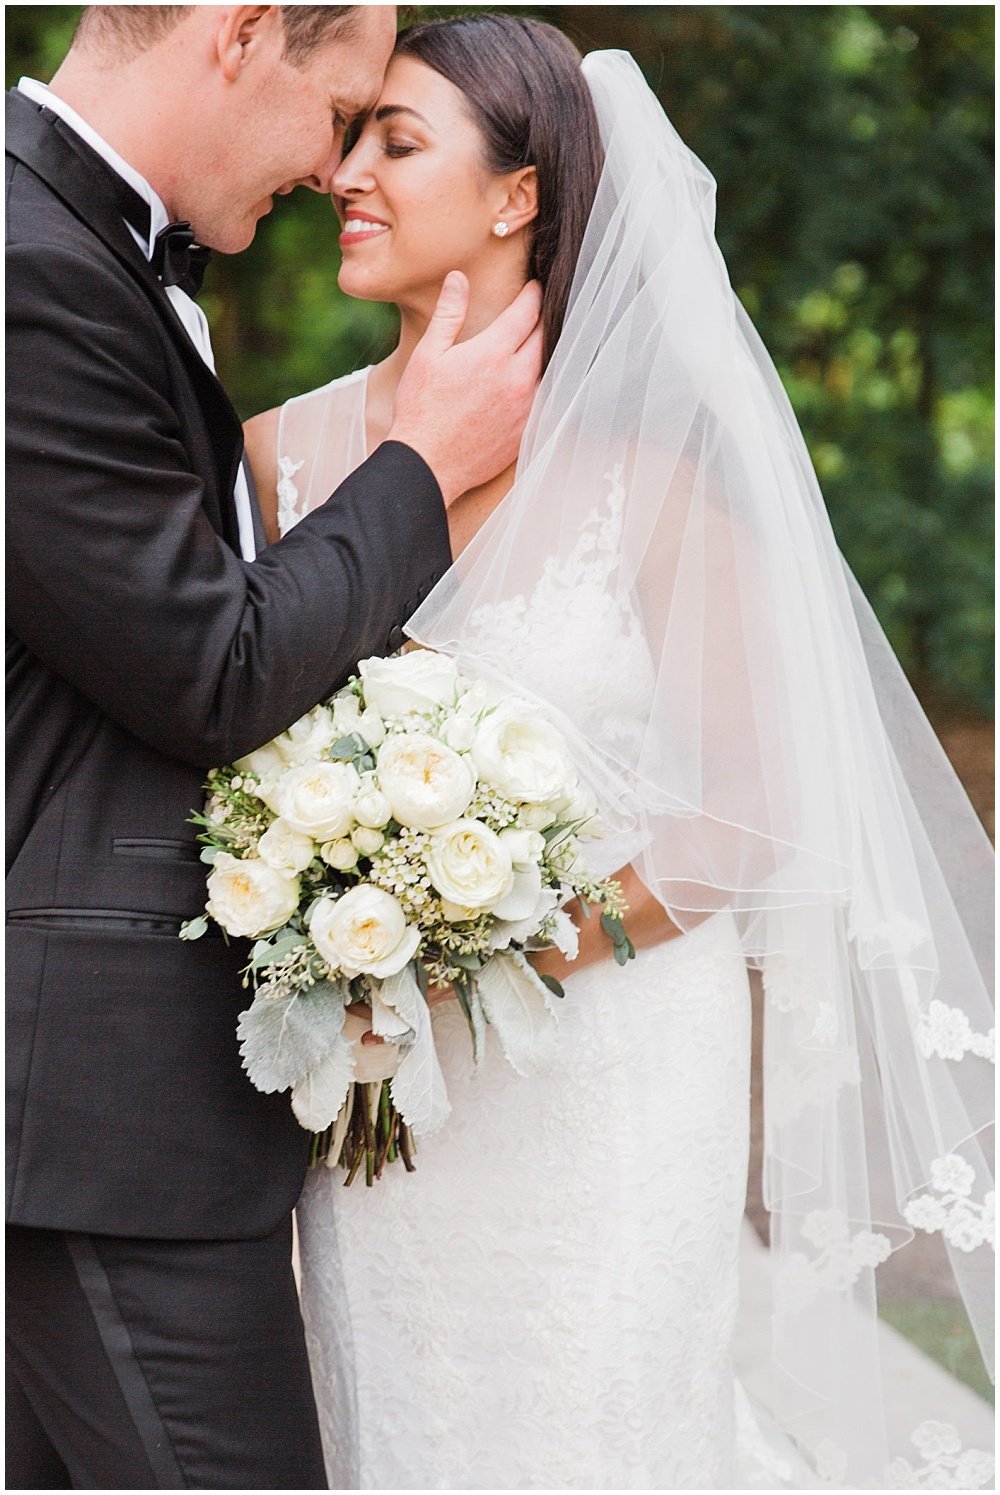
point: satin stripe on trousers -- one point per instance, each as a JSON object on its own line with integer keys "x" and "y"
{"x": 147, "y": 1365}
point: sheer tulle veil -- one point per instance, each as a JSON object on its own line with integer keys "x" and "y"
{"x": 781, "y": 767}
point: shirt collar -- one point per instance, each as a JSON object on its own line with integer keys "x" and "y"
{"x": 40, "y": 94}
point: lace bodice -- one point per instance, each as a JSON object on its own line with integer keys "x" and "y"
{"x": 571, "y": 639}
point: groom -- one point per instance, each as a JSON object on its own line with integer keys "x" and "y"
{"x": 154, "y": 1336}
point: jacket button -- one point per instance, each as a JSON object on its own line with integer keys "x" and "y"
{"x": 395, "y": 640}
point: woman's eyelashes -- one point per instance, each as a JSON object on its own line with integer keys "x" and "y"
{"x": 397, "y": 148}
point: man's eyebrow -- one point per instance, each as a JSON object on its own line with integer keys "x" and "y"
{"x": 389, "y": 111}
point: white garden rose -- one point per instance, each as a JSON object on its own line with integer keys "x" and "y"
{"x": 284, "y": 848}
{"x": 426, "y": 783}
{"x": 413, "y": 682}
{"x": 249, "y": 898}
{"x": 307, "y": 738}
{"x": 318, "y": 798}
{"x": 522, "y": 756}
{"x": 341, "y": 855}
{"x": 469, "y": 865}
{"x": 364, "y": 933}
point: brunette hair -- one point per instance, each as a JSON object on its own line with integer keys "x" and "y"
{"x": 522, "y": 83}
{"x": 131, "y": 29}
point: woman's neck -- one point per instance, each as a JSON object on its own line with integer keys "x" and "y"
{"x": 485, "y": 305}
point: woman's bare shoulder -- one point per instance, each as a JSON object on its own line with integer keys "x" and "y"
{"x": 260, "y": 437}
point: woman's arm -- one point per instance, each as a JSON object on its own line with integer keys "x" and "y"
{"x": 646, "y": 923}
{"x": 260, "y": 438}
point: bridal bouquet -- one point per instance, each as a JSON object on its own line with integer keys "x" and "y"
{"x": 415, "y": 831}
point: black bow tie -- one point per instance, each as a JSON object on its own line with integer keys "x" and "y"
{"x": 178, "y": 259}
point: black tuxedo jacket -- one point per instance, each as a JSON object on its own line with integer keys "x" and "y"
{"x": 141, "y": 652}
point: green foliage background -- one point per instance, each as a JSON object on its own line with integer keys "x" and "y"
{"x": 852, "y": 145}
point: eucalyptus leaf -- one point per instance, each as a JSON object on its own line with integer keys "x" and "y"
{"x": 193, "y": 929}
{"x": 269, "y": 952}
{"x": 349, "y": 747}
{"x": 208, "y": 854}
{"x": 554, "y": 986}
{"x": 283, "y": 1038}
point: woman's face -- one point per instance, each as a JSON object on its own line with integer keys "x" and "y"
{"x": 413, "y": 196}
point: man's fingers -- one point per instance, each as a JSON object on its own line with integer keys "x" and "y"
{"x": 448, "y": 319}
{"x": 514, "y": 326}
{"x": 528, "y": 357}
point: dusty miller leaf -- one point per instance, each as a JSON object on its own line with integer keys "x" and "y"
{"x": 283, "y": 1038}
{"x": 417, "y": 1088}
{"x": 317, "y": 1099}
{"x": 519, "y": 1008}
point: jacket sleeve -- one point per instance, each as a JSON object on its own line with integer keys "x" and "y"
{"x": 116, "y": 579}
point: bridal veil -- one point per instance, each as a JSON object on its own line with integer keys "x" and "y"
{"x": 779, "y": 767}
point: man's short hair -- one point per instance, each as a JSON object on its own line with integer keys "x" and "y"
{"x": 127, "y": 30}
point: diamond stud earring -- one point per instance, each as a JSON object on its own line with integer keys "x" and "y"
{"x": 501, "y": 229}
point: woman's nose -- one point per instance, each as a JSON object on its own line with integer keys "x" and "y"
{"x": 353, "y": 175}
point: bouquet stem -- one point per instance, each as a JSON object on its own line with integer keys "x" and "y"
{"x": 369, "y": 1132}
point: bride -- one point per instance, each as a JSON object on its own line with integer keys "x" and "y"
{"x": 551, "y": 1300}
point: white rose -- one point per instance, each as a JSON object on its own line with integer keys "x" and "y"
{"x": 340, "y": 855}
{"x": 264, "y": 761}
{"x": 346, "y": 710}
{"x": 364, "y": 932}
{"x": 284, "y": 848}
{"x": 372, "y": 808}
{"x": 425, "y": 782}
{"x": 372, "y": 728}
{"x": 469, "y": 865}
{"x": 249, "y": 898}
{"x": 459, "y": 733}
{"x": 540, "y": 817}
{"x": 581, "y": 808}
{"x": 318, "y": 798}
{"x": 522, "y": 756}
{"x": 525, "y": 846}
{"x": 307, "y": 738}
{"x": 367, "y": 840}
{"x": 416, "y": 681}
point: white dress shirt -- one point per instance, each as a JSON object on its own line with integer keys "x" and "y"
{"x": 189, "y": 312}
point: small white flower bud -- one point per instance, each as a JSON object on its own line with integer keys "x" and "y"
{"x": 371, "y": 808}
{"x": 372, "y": 727}
{"x": 341, "y": 855}
{"x": 367, "y": 840}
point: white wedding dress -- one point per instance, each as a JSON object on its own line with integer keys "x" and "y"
{"x": 550, "y": 1301}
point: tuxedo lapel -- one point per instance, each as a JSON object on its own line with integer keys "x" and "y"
{"x": 48, "y": 147}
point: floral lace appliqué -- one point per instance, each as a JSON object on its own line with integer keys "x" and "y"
{"x": 950, "y": 1209}
{"x": 944, "y": 1464}
{"x": 840, "y": 1260}
{"x": 946, "y": 1033}
{"x": 288, "y": 493}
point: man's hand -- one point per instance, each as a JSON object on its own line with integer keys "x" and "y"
{"x": 463, "y": 406}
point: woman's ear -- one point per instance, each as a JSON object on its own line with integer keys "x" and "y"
{"x": 520, "y": 206}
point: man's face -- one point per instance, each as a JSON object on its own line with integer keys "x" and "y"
{"x": 279, "y": 126}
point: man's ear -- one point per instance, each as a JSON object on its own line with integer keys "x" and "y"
{"x": 242, "y": 31}
{"x": 521, "y": 203}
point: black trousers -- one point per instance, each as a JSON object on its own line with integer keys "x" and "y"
{"x": 156, "y": 1365}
